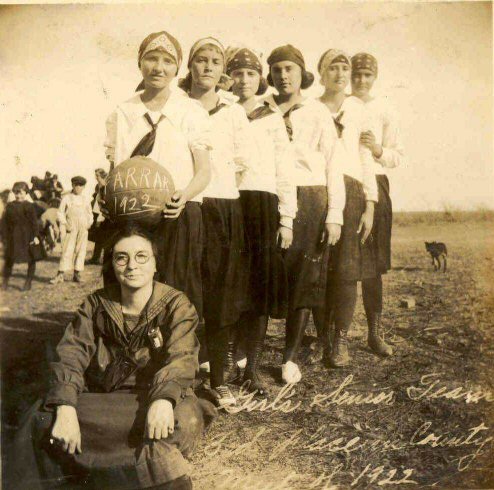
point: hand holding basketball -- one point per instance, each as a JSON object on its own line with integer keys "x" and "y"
{"x": 175, "y": 205}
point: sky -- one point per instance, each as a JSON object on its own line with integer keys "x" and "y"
{"x": 64, "y": 68}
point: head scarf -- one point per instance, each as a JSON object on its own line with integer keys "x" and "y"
{"x": 364, "y": 61}
{"x": 290, "y": 53}
{"x": 242, "y": 57}
{"x": 203, "y": 42}
{"x": 161, "y": 41}
{"x": 225, "y": 81}
{"x": 332, "y": 56}
{"x": 287, "y": 53}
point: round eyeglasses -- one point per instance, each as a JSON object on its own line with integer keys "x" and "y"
{"x": 122, "y": 258}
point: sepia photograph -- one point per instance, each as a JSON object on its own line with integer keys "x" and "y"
{"x": 247, "y": 245}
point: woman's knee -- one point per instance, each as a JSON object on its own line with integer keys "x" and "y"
{"x": 188, "y": 414}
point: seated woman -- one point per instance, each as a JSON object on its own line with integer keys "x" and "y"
{"x": 120, "y": 411}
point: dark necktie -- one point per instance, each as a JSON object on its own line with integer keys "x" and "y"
{"x": 338, "y": 125}
{"x": 216, "y": 109}
{"x": 288, "y": 122}
{"x": 145, "y": 146}
{"x": 260, "y": 112}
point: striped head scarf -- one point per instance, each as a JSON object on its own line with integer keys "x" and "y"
{"x": 332, "y": 56}
{"x": 225, "y": 81}
{"x": 204, "y": 42}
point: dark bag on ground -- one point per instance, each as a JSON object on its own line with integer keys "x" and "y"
{"x": 37, "y": 251}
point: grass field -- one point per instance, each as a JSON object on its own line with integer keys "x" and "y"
{"x": 423, "y": 418}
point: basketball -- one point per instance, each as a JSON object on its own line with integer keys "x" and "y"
{"x": 137, "y": 190}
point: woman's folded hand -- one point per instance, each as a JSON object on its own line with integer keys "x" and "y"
{"x": 160, "y": 422}
{"x": 66, "y": 432}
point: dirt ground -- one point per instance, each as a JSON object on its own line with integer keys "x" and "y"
{"x": 421, "y": 418}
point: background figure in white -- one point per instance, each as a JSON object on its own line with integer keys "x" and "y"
{"x": 75, "y": 217}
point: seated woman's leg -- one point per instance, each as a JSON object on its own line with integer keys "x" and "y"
{"x": 162, "y": 461}
{"x": 32, "y": 461}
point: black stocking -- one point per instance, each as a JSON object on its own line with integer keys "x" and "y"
{"x": 346, "y": 299}
{"x": 372, "y": 294}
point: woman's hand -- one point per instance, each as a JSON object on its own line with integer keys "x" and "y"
{"x": 366, "y": 221}
{"x": 175, "y": 206}
{"x": 368, "y": 139}
{"x": 102, "y": 207}
{"x": 284, "y": 236}
{"x": 160, "y": 422}
{"x": 331, "y": 233}
{"x": 35, "y": 240}
{"x": 66, "y": 431}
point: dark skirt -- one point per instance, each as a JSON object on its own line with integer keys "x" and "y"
{"x": 224, "y": 264}
{"x": 307, "y": 258}
{"x": 268, "y": 283}
{"x": 349, "y": 259}
{"x": 180, "y": 243}
{"x": 383, "y": 221}
{"x": 114, "y": 452}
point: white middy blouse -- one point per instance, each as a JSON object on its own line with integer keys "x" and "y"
{"x": 272, "y": 161}
{"x": 230, "y": 147}
{"x": 185, "y": 127}
{"x": 386, "y": 129}
{"x": 355, "y": 159}
{"x": 313, "y": 141}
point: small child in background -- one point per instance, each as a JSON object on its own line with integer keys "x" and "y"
{"x": 21, "y": 229}
{"x": 75, "y": 217}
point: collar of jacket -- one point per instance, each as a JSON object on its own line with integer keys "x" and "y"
{"x": 110, "y": 300}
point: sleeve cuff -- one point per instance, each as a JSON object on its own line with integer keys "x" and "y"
{"x": 61, "y": 394}
{"x": 372, "y": 197}
{"x": 287, "y": 222}
{"x": 172, "y": 390}
{"x": 200, "y": 146}
{"x": 385, "y": 160}
{"x": 335, "y": 216}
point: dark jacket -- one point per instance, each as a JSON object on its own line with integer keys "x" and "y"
{"x": 21, "y": 227}
{"x": 97, "y": 338}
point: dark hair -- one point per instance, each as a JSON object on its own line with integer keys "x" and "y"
{"x": 101, "y": 172}
{"x": 54, "y": 203}
{"x": 129, "y": 230}
{"x": 20, "y": 186}
{"x": 263, "y": 86}
{"x": 186, "y": 83}
{"x": 307, "y": 79}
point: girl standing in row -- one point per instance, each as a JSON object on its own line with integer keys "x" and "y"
{"x": 173, "y": 130}
{"x": 224, "y": 267}
{"x": 352, "y": 259}
{"x": 269, "y": 205}
{"x": 320, "y": 195}
{"x": 384, "y": 141}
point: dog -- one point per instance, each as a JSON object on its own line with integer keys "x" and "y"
{"x": 437, "y": 250}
